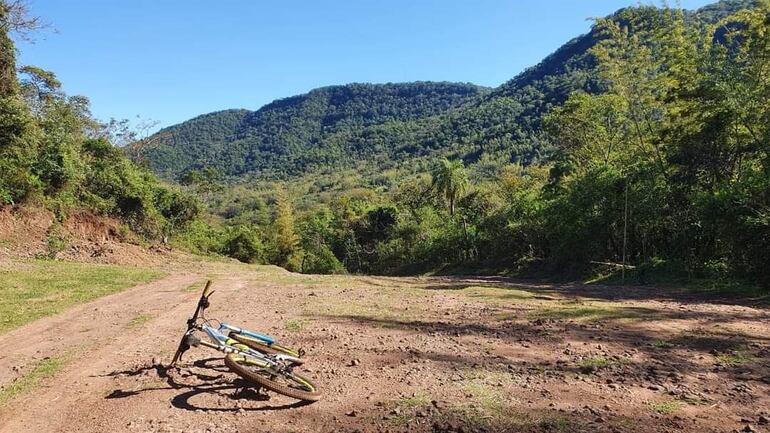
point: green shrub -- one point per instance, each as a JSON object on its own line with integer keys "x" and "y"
{"x": 243, "y": 243}
{"x": 321, "y": 261}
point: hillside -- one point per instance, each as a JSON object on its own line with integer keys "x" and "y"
{"x": 297, "y": 134}
{"x": 65, "y": 190}
{"x": 391, "y": 125}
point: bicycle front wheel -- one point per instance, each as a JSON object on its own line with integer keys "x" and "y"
{"x": 286, "y": 383}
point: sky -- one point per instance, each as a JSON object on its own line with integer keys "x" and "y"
{"x": 171, "y": 60}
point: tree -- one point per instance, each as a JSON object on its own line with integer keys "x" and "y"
{"x": 206, "y": 181}
{"x": 449, "y": 181}
{"x": 14, "y": 18}
{"x": 285, "y": 240}
{"x": 243, "y": 244}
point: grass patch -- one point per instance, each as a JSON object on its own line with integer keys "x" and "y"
{"x": 415, "y": 401}
{"x": 40, "y": 370}
{"x": 295, "y": 325}
{"x": 736, "y": 358}
{"x": 488, "y": 377}
{"x": 489, "y": 409}
{"x": 662, "y": 344}
{"x": 197, "y": 286}
{"x": 667, "y": 407}
{"x": 139, "y": 320}
{"x": 594, "y": 363}
{"x": 497, "y": 293}
{"x": 488, "y": 405}
{"x": 404, "y": 410}
{"x": 673, "y": 277}
{"x": 380, "y": 309}
{"x": 595, "y": 311}
{"x": 589, "y": 365}
{"x": 40, "y": 288}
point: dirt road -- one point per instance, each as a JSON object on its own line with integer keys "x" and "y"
{"x": 399, "y": 354}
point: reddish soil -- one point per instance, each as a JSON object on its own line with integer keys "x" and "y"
{"x": 401, "y": 354}
{"x": 29, "y": 232}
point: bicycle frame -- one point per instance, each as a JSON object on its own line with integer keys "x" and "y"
{"x": 225, "y": 344}
{"x": 267, "y": 339}
{"x": 222, "y": 343}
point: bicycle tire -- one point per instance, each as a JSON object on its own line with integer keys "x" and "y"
{"x": 271, "y": 349}
{"x": 240, "y": 366}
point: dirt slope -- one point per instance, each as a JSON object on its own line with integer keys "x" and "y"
{"x": 83, "y": 236}
{"x": 401, "y": 354}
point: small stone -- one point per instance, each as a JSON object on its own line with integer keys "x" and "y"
{"x": 763, "y": 420}
{"x": 352, "y": 413}
{"x": 355, "y": 362}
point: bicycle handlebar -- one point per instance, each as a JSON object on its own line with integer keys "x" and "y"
{"x": 203, "y": 303}
{"x": 206, "y": 289}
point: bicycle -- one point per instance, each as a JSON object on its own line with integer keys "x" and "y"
{"x": 255, "y": 357}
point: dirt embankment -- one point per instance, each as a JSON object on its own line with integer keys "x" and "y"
{"x": 28, "y": 232}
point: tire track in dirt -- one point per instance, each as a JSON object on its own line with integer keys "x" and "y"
{"x": 402, "y": 355}
{"x": 91, "y": 336}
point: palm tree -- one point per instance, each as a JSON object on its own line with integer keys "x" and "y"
{"x": 449, "y": 180}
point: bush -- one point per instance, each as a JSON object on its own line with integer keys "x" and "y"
{"x": 243, "y": 243}
{"x": 18, "y": 143}
{"x": 200, "y": 238}
{"x": 321, "y": 261}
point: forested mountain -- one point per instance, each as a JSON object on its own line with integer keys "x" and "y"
{"x": 293, "y": 135}
{"x": 643, "y": 142}
{"x": 391, "y": 125}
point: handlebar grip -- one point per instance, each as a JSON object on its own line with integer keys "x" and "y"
{"x": 206, "y": 289}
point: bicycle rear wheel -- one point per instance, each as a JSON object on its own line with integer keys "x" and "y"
{"x": 286, "y": 383}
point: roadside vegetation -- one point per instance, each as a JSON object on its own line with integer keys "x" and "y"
{"x": 665, "y": 169}
{"x": 659, "y": 167}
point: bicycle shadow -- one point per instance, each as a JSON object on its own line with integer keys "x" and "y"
{"x": 196, "y": 383}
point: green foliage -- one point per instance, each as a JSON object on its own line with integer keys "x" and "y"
{"x": 684, "y": 127}
{"x": 645, "y": 141}
{"x": 19, "y": 138}
{"x": 449, "y": 181}
{"x": 114, "y": 185}
{"x": 285, "y": 243}
{"x": 244, "y": 244}
{"x": 327, "y": 127}
{"x": 315, "y": 233}
{"x": 661, "y": 157}
{"x": 49, "y": 149}
{"x": 55, "y": 242}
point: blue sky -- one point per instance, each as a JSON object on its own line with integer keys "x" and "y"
{"x": 170, "y": 60}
